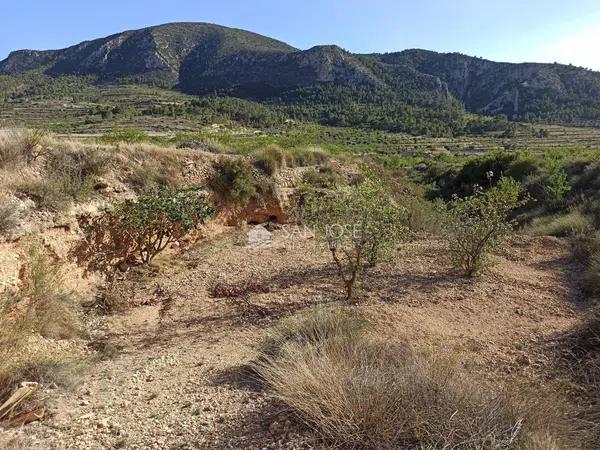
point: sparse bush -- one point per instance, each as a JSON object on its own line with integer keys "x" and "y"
{"x": 151, "y": 173}
{"x": 140, "y": 229}
{"x": 474, "y": 226}
{"x": 592, "y": 274}
{"x": 125, "y": 135}
{"x": 42, "y": 303}
{"x": 573, "y": 223}
{"x": 422, "y": 215}
{"x": 305, "y": 156}
{"x": 311, "y": 327}
{"x": 321, "y": 178}
{"x": 233, "y": 181}
{"x": 205, "y": 146}
{"x": 269, "y": 159}
{"x": 9, "y": 214}
{"x": 70, "y": 176}
{"x": 20, "y": 146}
{"x": 75, "y": 172}
{"x": 361, "y": 392}
{"x": 360, "y": 225}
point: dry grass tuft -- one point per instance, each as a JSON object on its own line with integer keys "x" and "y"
{"x": 316, "y": 325}
{"x": 361, "y": 392}
{"x": 40, "y": 307}
{"x": 69, "y": 175}
{"x": 573, "y": 223}
{"x": 19, "y": 146}
{"x": 9, "y": 214}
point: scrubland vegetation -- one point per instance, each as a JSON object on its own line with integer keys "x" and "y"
{"x": 133, "y": 200}
{"x": 361, "y": 391}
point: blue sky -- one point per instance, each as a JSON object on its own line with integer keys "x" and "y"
{"x": 507, "y": 30}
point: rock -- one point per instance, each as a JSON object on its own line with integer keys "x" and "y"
{"x": 259, "y": 236}
{"x": 103, "y": 423}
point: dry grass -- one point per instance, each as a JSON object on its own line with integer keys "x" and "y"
{"x": 69, "y": 175}
{"x": 362, "y": 392}
{"x": 41, "y": 307}
{"x": 306, "y": 156}
{"x": 9, "y": 214}
{"x": 18, "y": 146}
{"x": 311, "y": 327}
{"x": 573, "y": 223}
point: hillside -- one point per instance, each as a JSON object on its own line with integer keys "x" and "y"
{"x": 415, "y": 91}
{"x": 121, "y": 353}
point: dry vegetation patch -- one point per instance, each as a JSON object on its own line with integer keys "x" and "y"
{"x": 358, "y": 391}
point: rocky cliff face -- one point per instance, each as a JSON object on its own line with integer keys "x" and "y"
{"x": 204, "y": 58}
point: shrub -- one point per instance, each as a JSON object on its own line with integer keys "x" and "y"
{"x": 592, "y": 274}
{"x": 359, "y": 224}
{"x": 205, "y": 146}
{"x": 151, "y": 173}
{"x": 474, "y": 226}
{"x": 20, "y": 146}
{"x": 361, "y": 392}
{"x": 422, "y": 215}
{"x": 321, "y": 178}
{"x": 70, "y": 176}
{"x": 233, "y": 181}
{"x": 140, "y": 229}
{"x": 573, "y": 223}
{"x": 9, "y": 214}
{"x": 75, "y": 172}
{"x": 42, "y": 303}
{"x": 270, "y": 159}
{"x": 126, "y": 135}
{"x": 305, "y": 156}
{"x": 557, "y": 185}
{"x": 310, "y": 327}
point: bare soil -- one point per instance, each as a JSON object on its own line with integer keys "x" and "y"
{"x": 180, "y": 378}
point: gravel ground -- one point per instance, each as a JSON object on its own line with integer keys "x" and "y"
{"x": 180, "y": 378}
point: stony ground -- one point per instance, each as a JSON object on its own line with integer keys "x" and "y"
{"x": 179, "y": 379}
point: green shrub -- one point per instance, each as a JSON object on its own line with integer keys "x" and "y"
{"x": 233, "y": 181}
{"x": 557, "y": 185}
{"x": 359, "y": 224}
{"x": 140, "y": 229}
{"x": 269, "y": 159}
{"x": 474, "y": 226}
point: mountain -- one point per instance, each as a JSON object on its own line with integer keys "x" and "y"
{"x": 200, "y": 58}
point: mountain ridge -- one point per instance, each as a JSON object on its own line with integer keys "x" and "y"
{"x": 204, "y": 58}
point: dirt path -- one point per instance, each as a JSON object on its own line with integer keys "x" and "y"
{"x": 176, "y": 382}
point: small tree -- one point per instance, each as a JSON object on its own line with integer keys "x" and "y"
{"x": 360, "y": 225}
{"x": 475, "y": 226}
{"x": 557, "y": 185}
{"x": 141, "y": 229}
